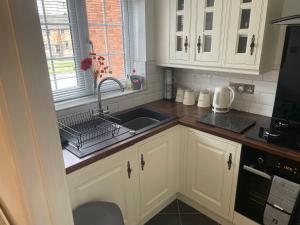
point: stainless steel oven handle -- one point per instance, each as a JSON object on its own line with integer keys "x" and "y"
{"x": 257, "y": 172}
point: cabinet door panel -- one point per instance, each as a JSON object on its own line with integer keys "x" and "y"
{"x": 209, "y": 179}
{"x": 208, "y": 22}
{"x": 107, "y": 180}
{"x": 157, "y": 178}
{"x": 243, "y": 41}
{"x": 180, "y": 39}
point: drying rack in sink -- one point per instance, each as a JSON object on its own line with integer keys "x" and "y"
{"x": 89, "y": 131}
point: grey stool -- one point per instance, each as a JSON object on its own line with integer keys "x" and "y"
{"x": 98, "y": 213}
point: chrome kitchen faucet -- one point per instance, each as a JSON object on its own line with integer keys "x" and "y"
{"x": 99, "y": 92}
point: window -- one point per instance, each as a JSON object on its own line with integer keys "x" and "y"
{"x": 106, "y": 33}
{"x": 61, "y": 21}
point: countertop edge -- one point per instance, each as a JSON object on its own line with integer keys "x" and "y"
{"x": 186, "y": 116}
{"x": 101, "y": 154}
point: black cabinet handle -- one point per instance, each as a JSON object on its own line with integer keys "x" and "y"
{"x": 229, "y": 162}
{"x": 199, "y": 44}
{"x": 129, "y": 170}
{"x": 142, "y": 162}
{"x": 252, "y": 45}
{"x": 186, "y": 44}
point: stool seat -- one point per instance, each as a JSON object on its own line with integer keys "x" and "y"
{"x": 98, "y": 213}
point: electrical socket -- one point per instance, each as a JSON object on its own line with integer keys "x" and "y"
{"x": 243, "y": 88}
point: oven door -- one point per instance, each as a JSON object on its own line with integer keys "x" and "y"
{"x": 252, "y": 193}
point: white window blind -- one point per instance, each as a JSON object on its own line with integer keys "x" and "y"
{"x": 63, "y": 49}
{"x": 63, "y": 22}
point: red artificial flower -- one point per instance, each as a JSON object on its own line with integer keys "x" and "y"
{"x": 86, "y": 64}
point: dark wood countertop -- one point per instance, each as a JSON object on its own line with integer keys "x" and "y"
{"x": 187, "y": 116}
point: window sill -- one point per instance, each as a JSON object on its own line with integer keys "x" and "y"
{"x": 92, "y": 99}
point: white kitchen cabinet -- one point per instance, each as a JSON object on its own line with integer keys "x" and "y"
{"x": 208, "y": 23}
{"x": 108, "y": 180}
{"x": 244, "y": 38}
{"x": 211, "y": 172}
{"x": 200, "y": 166}
{"x": 158, "y": 171}
{"x": 180, "y": 37}
{"x": 139, "y": 192}
{"x": 230, "y": 36}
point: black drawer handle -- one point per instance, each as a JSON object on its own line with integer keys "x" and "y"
{"x": 142, "y": 162}
{"x": 229, "y": 162}
{"x": 129, "y": 170}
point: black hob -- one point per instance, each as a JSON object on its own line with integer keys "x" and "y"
{"x": 278, "y": 132}
{"x": 229, "y": 121}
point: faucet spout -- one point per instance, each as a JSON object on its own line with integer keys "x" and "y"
{"x": 99, "y": 92}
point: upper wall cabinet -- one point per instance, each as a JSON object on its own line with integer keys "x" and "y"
{"x": 180, "y": 30}
{"x": 243, "y": 38}
{"x": 218, "y": 35}
{"x": 208, "y": 27}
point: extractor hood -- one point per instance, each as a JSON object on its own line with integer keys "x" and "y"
{"x": 289, "y": 20}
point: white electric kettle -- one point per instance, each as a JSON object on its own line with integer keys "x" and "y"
{"x": 223, "y": 98}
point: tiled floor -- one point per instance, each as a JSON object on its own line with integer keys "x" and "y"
{"x": 178, "y": 213}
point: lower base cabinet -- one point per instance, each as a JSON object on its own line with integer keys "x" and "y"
{"x": 109, "y": 180}
{"x": 143, "y": 178}
{"x": 158, "y": 173}
{"x": 139, "y": 179}
{"x": 211, "y": 171}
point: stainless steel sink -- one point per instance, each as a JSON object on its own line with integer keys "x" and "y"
{"x": 141, "y": 119}
{"x": 89, "y": 133}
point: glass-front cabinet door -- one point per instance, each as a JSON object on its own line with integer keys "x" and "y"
{"x": 180, "y": 29}
{"x": 243, "y": 37}
{"x": 208, "y": 22}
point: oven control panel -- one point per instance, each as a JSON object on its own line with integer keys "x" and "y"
{"x": 286, "y": 167}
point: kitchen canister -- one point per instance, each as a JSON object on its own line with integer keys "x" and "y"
{"x": 204, "y": 99}
{"x": 189, "y": 97}
{"x": 179, "y": 94}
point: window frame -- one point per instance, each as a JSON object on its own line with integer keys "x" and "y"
{"x": 84, "y": 82}
{"x": 80, "y": 40}
{"x": 127, "y": 25}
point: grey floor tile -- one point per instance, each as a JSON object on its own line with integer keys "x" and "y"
{"x": 196, "y": 219}
{"x": 165, "y": 219}
{"x": 184, "y": 208}
{"x": 171, "y": 208}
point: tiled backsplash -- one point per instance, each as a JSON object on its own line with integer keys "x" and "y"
{"x": 154, "y": 91}
{"x": 261, "y": 102}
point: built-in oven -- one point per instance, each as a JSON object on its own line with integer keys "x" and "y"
{"x": 257, "y": 169}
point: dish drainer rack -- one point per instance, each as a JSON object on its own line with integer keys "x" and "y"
{"x": 85, "y": 127}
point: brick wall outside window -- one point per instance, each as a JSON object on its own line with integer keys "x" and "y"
{"x": 106, "y": 32}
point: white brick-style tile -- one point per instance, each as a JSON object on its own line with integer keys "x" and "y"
{"x": 265, "y": 87}
{"x": 220, "y": 81}
{"x": 266, "y": 99}
{"x": 125, "y": 103}
{"x": 261, "y": 109}
{"x": 261, "y": 102}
